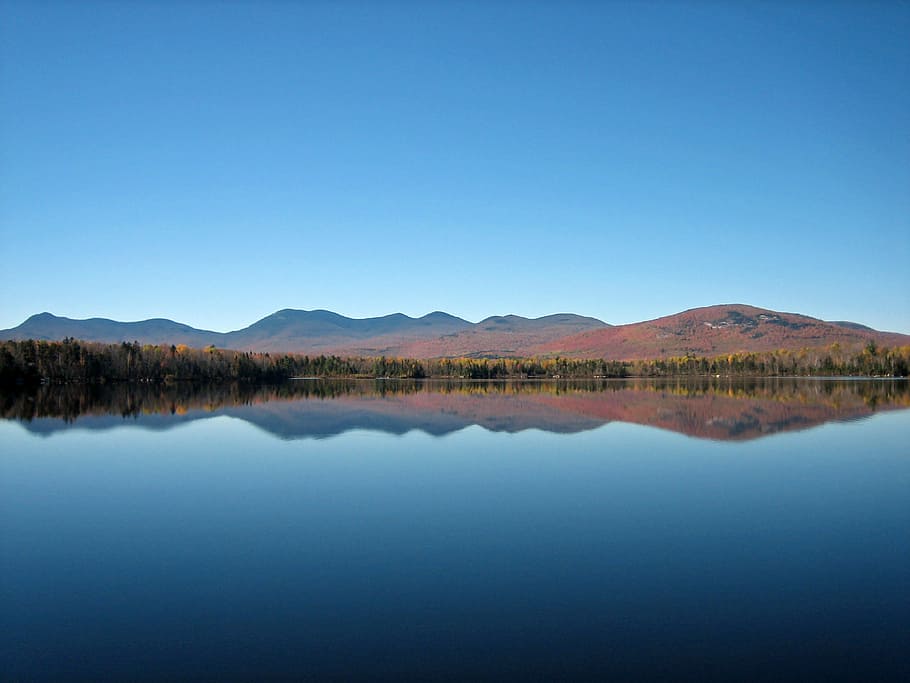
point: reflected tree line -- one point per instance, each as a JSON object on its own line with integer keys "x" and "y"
{"x": 73, "y": 361}
{"x": 71, "y": 401}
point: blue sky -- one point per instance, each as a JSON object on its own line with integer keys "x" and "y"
{"x": 212, "y": 163}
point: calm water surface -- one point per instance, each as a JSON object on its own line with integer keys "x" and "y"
{"x": 725, "y": 531}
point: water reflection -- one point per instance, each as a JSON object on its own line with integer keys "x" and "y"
{"x": 711, "y": 409}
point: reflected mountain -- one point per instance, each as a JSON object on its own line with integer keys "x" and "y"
{"x": 719, "y": 409}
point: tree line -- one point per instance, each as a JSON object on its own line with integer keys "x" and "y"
{"x": 73, "y": 361}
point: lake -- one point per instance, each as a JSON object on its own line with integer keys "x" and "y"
{"x": 709, "y": 530}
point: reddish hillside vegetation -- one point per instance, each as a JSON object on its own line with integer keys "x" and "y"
{"x": 495, "y": 337}
{"x": 715, "y": 330}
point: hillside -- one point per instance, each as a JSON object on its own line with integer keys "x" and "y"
{"x": 716, "y": 330}
{"x": 494, "y": 337}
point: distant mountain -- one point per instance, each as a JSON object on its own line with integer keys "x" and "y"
{"x": 156, "y": 331}
{"x": 715, "y": 330}
{"x": 325, "y": 331}
{"x": 709, "y": 331}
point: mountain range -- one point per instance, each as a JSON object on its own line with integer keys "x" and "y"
{"x": 711, "y": 330}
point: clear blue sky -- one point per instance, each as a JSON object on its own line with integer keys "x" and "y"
{"x": 212, "y": 163}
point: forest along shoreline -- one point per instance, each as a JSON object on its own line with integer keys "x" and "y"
{"x": 32, "y": 362}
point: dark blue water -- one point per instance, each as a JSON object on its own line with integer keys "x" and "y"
{"x": 209, "y": 549}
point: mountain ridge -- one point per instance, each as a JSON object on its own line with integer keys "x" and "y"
{"x": 707, "y": 330}
{"x": 717, "y": 330}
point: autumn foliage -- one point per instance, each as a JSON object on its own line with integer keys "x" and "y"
{"x": 72, "y": 361}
